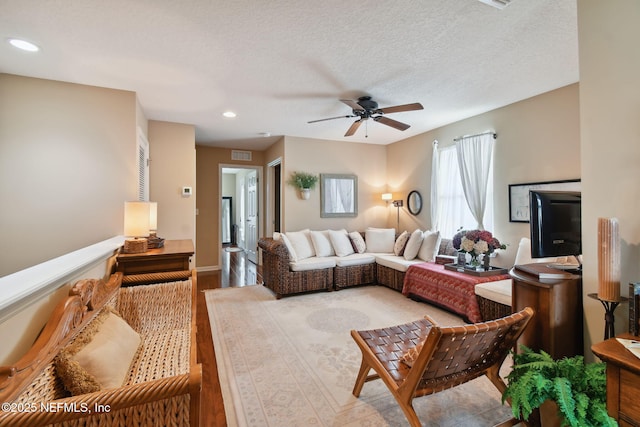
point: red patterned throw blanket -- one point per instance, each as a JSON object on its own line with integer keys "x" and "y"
{"x": 449, "y": 289}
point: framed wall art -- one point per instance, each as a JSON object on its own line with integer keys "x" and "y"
{"x": 338, "y": 195}
{"x": 519, "y": 196}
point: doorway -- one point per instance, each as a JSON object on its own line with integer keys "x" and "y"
{"x": 240, "y": 186}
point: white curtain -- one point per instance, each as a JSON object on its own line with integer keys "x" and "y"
{"x": 453, "y": 212}
{"x": 475, "y": 154}
{"x": 435, "y": 194}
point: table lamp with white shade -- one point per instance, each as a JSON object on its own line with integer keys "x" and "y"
{"x": 136, "y": 227}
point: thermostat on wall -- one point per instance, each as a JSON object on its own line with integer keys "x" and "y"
{"x": 186, "y": 191}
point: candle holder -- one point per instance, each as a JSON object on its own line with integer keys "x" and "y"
{"x": 609, "y": 318}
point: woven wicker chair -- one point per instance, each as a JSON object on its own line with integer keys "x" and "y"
{"x": 163, "y": 385}
{"x": 450, "y": 356}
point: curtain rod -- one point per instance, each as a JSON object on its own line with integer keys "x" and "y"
{"x": 495, "y": 135}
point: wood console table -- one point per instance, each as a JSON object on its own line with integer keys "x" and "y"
{"x": 556, "y": 326}
{"x": 623, "y": 380}
{"x": 172, "y": 259}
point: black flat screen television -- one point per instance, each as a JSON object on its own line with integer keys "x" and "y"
{"x": 555, "y": 222}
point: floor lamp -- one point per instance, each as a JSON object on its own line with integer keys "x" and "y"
{"x": 398, "y": 204}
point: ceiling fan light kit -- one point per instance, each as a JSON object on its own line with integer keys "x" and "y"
{"x": 366, "y": 108}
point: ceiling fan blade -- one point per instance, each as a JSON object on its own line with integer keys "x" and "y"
{"x": 353, "y": 128}
{"x": 400, "y": 108}
{"x": 331, "y": 118}
{"x": 393, "y": 123}
{"x": 353, "y": 104}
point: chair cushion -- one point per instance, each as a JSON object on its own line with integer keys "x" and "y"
{"x": 302, "y": 244}
{"x": 401, "y": 242}
{"x": 100, "y": 357}
{"x": 341, "y": 242}
{"x": 321, "y": 243}
{"x": 355, "y": 259}
{"x": 358, "y": 242}
{"x": 413, "y": 245}
{"x": 313, "y": 263}
{"x": 380, "y": 240}
{"x": 430, "y": 246}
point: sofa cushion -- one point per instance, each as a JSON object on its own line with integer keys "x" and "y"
{"x": 321, "y": 243}
{"x": 100, "y": 357}
{"x": 498, "y": 291}
{"x": 413, "y": 245}
{"x": 380, "y": 240}
{"x": 358, "y": 242}
{"x": 313, "y": 263}
{"x": 302, "y": 244}
{"x": 401, "y": 242}
{"x": 355, "y": 259}
{"x": 341, "y": 242}
{"x": 430, "y": 246}
{"x": 396, "y": 262}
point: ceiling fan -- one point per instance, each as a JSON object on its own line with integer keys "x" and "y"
{"x": 365, "y": 108}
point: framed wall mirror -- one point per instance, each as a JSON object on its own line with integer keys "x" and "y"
{"x": 414, "y": 202}
{"x": 338, "y": 195}
{"x": 227, "y": 214}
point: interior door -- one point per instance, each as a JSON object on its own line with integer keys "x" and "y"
{"x": 251, "y": 247}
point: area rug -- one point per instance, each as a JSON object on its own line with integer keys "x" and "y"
{"x": 292, "y": 362}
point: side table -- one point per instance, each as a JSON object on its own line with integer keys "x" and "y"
{"x": 623, "y": 380}
{"x": 168, "y": 263}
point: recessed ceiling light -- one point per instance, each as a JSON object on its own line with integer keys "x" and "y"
{"x": 24, "y": 45}
{"x": 229, "y": 114}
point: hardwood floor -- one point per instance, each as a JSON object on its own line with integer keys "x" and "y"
{"x": 236, "y": 270}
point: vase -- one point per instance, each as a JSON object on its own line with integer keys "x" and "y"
{"x": 474, "y": 261}
{"x": 305, "y": 193}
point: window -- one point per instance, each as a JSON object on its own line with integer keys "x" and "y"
{"x": 452, "y": 210}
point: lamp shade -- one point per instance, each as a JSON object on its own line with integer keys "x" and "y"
{"x": 387, "y": 196}
{"x": 153, "y": 216}
{"x": 136, "y": 219}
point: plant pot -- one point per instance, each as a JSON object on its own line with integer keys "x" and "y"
{"x": 305, "y": 193}
{"x": 549, "y": 414}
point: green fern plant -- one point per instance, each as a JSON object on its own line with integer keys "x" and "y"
{"x": 302, "y": 180}
{"x": 578, "y": 389}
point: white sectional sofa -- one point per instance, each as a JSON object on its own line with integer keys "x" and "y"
{"x": 309, "y": 260}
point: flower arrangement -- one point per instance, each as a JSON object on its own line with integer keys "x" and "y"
{"x": 476, "y": 242}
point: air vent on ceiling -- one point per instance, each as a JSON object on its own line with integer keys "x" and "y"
{"x": 499, "y": 4}
{"x": 241, "y": 155}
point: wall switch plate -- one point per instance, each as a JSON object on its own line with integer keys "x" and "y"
{"x": 186, "y": 191}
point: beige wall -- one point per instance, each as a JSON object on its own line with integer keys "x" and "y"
{"x": 609, "y": 110}
{"x": 208, "y": 161}
{"x": 173, "y": 166}
{"x": 315, "y": 156}
{"x": 538, "y": 140}
{"x": 67, "y": 164}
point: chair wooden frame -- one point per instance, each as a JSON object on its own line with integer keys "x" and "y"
{"x": 450, "y": 356}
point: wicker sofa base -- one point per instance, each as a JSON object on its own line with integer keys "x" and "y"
{"x": 355, "y": 275}
{"x": 491, "y": 310}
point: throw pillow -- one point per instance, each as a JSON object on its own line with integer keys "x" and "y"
{"x": 100, "y": 357}
{"x": 380, "y": 240}
{"x": 322, "y": 243}
{"x": 289, "y": 246}
{"x": 358, "y": 242}
{"x": 413, "y": 245}
{"x": 430, "y": 246}
{"x": 341, "y": 242}
{"x": 401, "y": 242}
{"x": 302, "y": 245}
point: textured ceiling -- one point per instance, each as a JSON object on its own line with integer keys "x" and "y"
{"x": 281, "y": 63}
